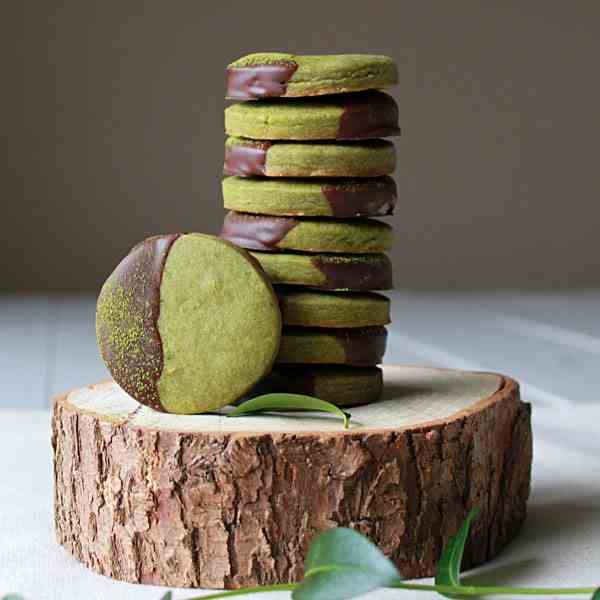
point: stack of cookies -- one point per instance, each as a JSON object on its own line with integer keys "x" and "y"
{"x": 306, "y": 170}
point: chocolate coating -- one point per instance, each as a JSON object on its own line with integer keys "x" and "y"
{"x": 301, "y": 382}
{"x": 370, "y": 197}
{"x": 363, "y": 346}
{"x": 127, "y": 316}
{"x": 368, "y": 115}
{"x": 246, "y": 160}
{"x": 354, "y": 275}
{"x": 256, "y": 232}
{"x": 259, "y": 81}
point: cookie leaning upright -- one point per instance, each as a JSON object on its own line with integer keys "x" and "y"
{"x": 307, "y": 169}
{"x": 187, "y": 323}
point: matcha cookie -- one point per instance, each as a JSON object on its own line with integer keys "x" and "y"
{"x": 311, "y": 308}
{"x": 246, "y": 157}
{"x": 362, "y": 115}
{"x": 364, "y": 346}
{"x": 268, "y": 74}
{"x": 358, "y": 272}
{"x": 338, "y": 384}
{"x": 311, "y": 197}
{"x": 187, "y": 323}
{"x": 263, "y": 232}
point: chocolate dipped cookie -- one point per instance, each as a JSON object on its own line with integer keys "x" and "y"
{"x": 272, "y": 74}
{"x": 245, "y": 158}
{"x": 312, "y": 308}
{"x": 187, "y": 323}
{"x": 341, "y": 198}
{"x": 363, "y": 115}
{"x": 363, "y": 346}
{"x": 269, "y": 233}
{"x": 338, "y": 384}
{"x": 348, "y": 272}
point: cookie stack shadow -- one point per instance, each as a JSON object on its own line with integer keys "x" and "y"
{"x": 304, "y": 178}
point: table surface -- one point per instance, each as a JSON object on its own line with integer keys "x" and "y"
{"x": 550, "y": 343}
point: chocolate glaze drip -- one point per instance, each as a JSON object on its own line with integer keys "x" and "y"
{"x": 375, "y": 197}
{"x": 259, "y": 81}
{"x": 256, "y": 232}
{"x": 368, "y": 115}
{"x": 136, "y": 363}
{"x": 246, "y": 160}
{"x": 355, "y": 275}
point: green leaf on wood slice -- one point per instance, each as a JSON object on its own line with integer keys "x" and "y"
{"x": 341, "y": 563}
{"x": 448, "y": 569}
{"x": 285, "y": 402}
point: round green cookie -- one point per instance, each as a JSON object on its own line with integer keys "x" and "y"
{"x": 338, "y": 384}
{"x": 370, "y": 158}
{"x": 187, "y": 323}
{"x": 265, "y": 232}
{"x": 362, "y": 115}
{"x": 311, "y": 308}
{"x": 350, "y": 272}
{"x": 363, "y": 346}
{"x": 368, "y": 197}
{"x": 268, "y": 74}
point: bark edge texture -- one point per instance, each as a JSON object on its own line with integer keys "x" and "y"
{"x": 228, "y": 510}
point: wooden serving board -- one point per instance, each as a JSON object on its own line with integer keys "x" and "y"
{"x": 217, "y": 502}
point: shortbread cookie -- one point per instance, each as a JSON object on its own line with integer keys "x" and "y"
{"x": 188, "y": 323}
{"x": 342, "y": 198}
{"x": 265, "y": 232}
{"x": 338, "y": 384}
{"x": 364, "y": 346}
{"x": 268, "y": 74}
{"x": 312, "y": 308}
{"x": 352, "y": 272}
{"x": 246, "y": 158}
{"x": 364, "y": 115}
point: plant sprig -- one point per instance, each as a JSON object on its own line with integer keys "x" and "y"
{"x": 448, "y": 569}
{"x": 285, "y": 402}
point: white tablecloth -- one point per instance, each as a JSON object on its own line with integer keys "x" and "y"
{"x": 550, "y": 342}
{"x": 560, "y": 544}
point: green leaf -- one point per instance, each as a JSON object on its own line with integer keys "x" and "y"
{"x": 167, "y": 596}
{"x": 12, "y": 597}
{"x": 278, "y": 587}
{"x": 341, "y": 563}
{"x": 283, "y": 402}
{"x": 596, "y": 595}
{"x": 448, "y": 570}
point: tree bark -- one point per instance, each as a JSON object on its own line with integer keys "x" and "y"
{"x": 161, "y": 499}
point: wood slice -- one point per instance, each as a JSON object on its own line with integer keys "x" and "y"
{"x": 216, "y": 502}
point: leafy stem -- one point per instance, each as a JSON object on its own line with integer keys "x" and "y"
{"x": 284, "y": 402}
{"x": 473, "y": 590}
{"x": 278, "y": 587}
{"x": 461, "y": 590}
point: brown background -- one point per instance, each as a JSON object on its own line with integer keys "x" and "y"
{"x": 112, "y": 115}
